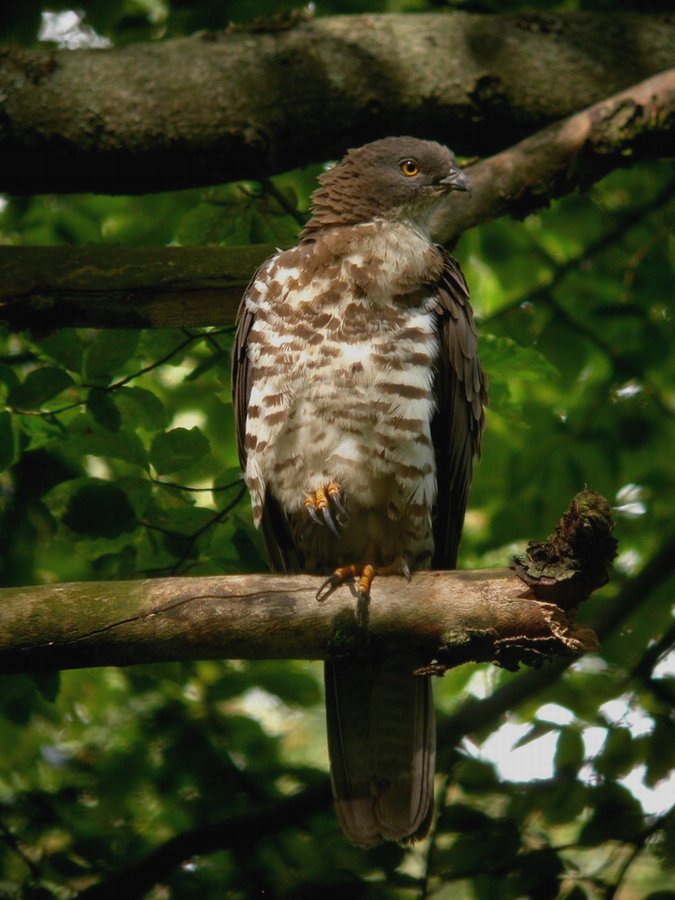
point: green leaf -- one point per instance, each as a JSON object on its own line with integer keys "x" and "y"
{"x": 102, "y": 407}
{"x": 178, "y": 449}
{"x": 63, "y": 346}
{"x": 40, "y": 431}
{"x": 660, "y": 753}
{"x": 461, "y": 817}
{"x": 569, "y": 752}
{"x": 225, "y": 217}
{"x": 537, "y": 873}
{"x": 109, "y": 350}
{"x": 158, "y": 343}
{"x": 118, "y": 445}
{"x": 18, "y": 698}
{"x": 486, "y": 850}
{"x": 8, "y": 381}
{"x": 476, "y": 775}
{"x": 140, "y": 408}
{"x": 138, "y": 492}
{"x": 565, "y": 801}
{"x": 40, "y": 385}
{"x": 48, "y": 684}
{"x": 271, "y": 223}
{"x": 221, "y": 359}
{"x": 617, "y": 815}
{"x": 295, "y": 687}
{"x": 100, "y": 510}
{"x": 186, "y": 521}
{"x": 539, "y": 729}
{"x": 504, "y": 359}
{"x": 617, "y": 755}
{"x": 232, "y": 477}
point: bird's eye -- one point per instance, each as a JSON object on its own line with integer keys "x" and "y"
{"x": 409, "y": 167}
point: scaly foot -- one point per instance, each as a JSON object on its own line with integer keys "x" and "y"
{"x": 362, "y": 574}
{"x": 321, "y": 501}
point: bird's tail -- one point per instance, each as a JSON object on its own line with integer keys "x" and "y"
{"x": 382, "y": 748}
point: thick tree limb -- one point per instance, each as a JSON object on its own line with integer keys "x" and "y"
{"x": 103, "y": 287}
{"x": 442, "y": 619}
{"x": 50, "y": 287}
{"x": 217, "y": 107}
{"x": 635, "y": 124}
{"x": 450, "y": 616}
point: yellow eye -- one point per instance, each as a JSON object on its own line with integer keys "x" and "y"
{"x": 409, "y": 167}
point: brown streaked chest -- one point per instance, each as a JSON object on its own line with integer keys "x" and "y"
{"x": 348, "y": 317}
{"x": 351, "y": 283}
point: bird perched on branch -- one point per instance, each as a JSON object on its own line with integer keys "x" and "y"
{"x": 359, "y": 406}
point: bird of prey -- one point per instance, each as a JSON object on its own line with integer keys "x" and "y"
{"x": 359, "y": 400}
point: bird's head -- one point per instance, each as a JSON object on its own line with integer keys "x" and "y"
{"x": 396, "y": 178}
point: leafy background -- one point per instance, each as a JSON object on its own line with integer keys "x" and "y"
{"x": 117, "y": 461}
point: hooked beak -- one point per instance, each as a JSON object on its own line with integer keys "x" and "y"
{"x": 457, "y": 180}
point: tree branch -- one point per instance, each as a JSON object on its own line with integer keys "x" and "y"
{"x": 51, "y": 287}
{"x": 635, "y": 124}
{"x": 273, "y": 617}
{"x": 496, "y": 615}
{"x": 214, "y": 107}
{"x": 474, "y": 715}
{"x": 112, "y": 287}
{"x": 233, "y": 833}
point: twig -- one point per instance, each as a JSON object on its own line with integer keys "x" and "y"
{"x": 273, "y": 190}
{"x": 200, "y": 531}
{"x": 196, "y": 490}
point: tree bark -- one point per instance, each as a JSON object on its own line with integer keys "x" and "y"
{"x": 442, "y": 619}
{"x": 44, "y": 288}
{"x": 451, "y": 617}
{"x": 635, "y": 124}
{"x": 52, "y": 287}
{"x": 218, "y": 107}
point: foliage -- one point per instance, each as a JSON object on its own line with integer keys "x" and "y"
{"x": 117, "y": 460}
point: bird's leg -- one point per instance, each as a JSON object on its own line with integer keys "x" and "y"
{"x": 365, "y": 573}
{"x": 320, "y": 502}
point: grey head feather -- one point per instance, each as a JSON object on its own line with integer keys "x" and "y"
{"x": 396, "y": 178}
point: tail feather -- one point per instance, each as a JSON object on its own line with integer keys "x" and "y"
{"x": 382, "y": 748}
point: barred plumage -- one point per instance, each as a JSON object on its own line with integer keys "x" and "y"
{"x": 357, "y": 382}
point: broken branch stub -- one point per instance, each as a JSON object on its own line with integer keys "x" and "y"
{"x": 558, "y": 574}
{"x": 575, "y": 560}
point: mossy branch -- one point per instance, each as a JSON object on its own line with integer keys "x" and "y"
{"x": 442, "y": 618}
{"x": 215, "y": 107}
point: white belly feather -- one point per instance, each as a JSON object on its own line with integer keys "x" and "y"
{"x": 344, "y": 396}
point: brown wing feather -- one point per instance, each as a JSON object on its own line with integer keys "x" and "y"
{"x": 241, "y": 374}
{"x": 460, "y": 388}
{"x": 282, "y": 551}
